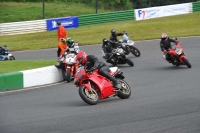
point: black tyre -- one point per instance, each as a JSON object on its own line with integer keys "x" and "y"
{"x": 186, "y": 62}
{"x": 113, "y": 62}
{"x": 68, "y": 76}
{"x": 91, "y": 98}
{"x": 125, "y": 92}
{"x": 135, "y": 51}
{"x": 129, "y": 62}
{"x": 12, "y": 58}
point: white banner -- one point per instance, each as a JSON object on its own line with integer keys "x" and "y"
{"x": 155, "y": 12}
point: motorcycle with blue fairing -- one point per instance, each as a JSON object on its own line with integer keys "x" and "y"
{"x": 5, "y": 54}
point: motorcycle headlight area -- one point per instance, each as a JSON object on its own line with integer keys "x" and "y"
{"x": 119, "y": 50}
{"x": 68, "y": 61}
{"x": 130, "y": 42}
{"x": 178, "y": 51}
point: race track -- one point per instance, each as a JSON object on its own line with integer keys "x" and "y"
{"x": 165, "y": 98}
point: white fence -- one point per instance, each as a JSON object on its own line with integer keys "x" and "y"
{"x": 22, "y": 27}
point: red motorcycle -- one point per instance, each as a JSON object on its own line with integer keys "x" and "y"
{"x": 94, "y": 87}
{"x": 177, "y": 55}
{"x": 70, "y": 65}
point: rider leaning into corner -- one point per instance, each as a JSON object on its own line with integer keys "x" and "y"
{"x": 91, "y": 63}
{"x": 2, "y": 50}
{"x": 113, "y": 38}
{"x": 107, "y": 47}
{"x": 114, "y": 34}
{"x": 165, "y": 45}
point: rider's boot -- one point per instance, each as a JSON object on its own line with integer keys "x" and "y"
{"x": 59, "y": 65}
{"x": 116, "y": 84}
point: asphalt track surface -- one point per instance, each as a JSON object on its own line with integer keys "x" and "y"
{"x": 165, "y": 98}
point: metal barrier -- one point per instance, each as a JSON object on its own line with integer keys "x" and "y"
{"x": 100, "y": 18}
{"x": 22, "y": 27}
{"x": 195, "y": 6}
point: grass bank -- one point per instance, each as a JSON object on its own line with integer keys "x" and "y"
{"x": 24, "y": 11}
{"x": 175, "y": 26}
{"x": 19, "y": 65}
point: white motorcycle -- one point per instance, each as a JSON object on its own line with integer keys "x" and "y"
{"x": 128, "y": 45}
{"x": 6, "y": 54}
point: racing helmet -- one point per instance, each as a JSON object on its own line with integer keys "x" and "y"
{"x": 81, "y": 58}
{"x": 164, "y": 37}
{"x": 113, "y": 32}
{"x": 70, "y": 41}
{"x": 105, "y": 41}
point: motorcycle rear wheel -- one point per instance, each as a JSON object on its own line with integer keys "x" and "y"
{"x": 125, "y": 92}
{"x": 129, "y": 62}
{"x": 135, "y": 51}
{"x": 186, "y": 62}
{"x": 91, "y": 98}
{"x": 68, "y": 75}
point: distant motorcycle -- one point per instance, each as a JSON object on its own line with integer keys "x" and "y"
{"x": 128, "y": 45}
{"x": 6, "y": 54}
{"x": 70, "y": 65}
{"x": 118, "y": 57}
{"x": 94, "y": 87}
{"x": 177, "y": 55}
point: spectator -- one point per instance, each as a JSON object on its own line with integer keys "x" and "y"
{"x": 62, "y": 33}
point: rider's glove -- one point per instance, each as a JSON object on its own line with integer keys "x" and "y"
{"x": 165, "y": 51}
{"x": 90, "y": 70}
{"x": 177, "y": 41}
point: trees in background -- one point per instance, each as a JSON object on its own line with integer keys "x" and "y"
{"x": 116, "y": 4}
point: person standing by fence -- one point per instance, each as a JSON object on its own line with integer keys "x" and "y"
{"x": 62, "y": 32}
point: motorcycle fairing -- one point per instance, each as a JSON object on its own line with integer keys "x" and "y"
{"x": 113, "y": 70}
{"x": 1, "y": 57}
{"x": 181, "y": 57}
{"x": 103, "y": 84}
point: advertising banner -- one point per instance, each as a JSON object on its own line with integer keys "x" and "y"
{"x": 162, "y": 11}
{"x": 67, "y": 22}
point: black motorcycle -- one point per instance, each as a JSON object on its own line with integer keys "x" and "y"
{"x": 118, "y": 57}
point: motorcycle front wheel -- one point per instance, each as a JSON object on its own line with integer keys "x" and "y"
{"x": 129, "y": 62}
{"x": 68, "y": 76}
{"x": 186, "y": 62}
{"x": 135, "y": 51}
{"x": 91, "y": 98}
{"x": 12, "y": 58}
{"x": 125, "y": 91}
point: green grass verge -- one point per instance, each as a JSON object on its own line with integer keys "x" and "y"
{"x": 175, "y": 26}
{"x": 19, "y": 65}
{"x": 24, "y": 11}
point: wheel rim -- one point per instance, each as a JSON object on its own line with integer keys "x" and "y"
{"x": 135, "y": 52}
{"x": 90, "y": 95}
{"x": 125, "y": 87}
